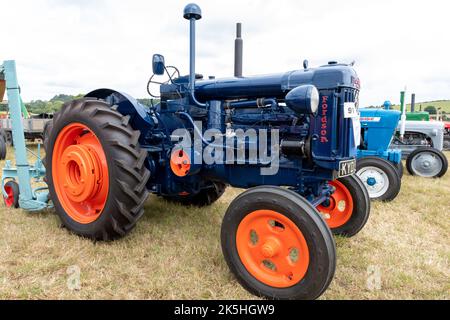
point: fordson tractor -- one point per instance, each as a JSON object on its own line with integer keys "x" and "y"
{"x": 290, "y": 139}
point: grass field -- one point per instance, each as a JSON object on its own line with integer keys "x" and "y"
{"x": 174, "y": 253}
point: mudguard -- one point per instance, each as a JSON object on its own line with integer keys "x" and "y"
{"x": 140, "y": 116}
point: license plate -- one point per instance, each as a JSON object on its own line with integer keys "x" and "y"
{"x": 347, "y": 168}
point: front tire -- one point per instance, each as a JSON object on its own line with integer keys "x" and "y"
{"x": 349, "y": 207}
{"x": 96, "y": 170}
{"x": 277, "y": 245}
{"x": 427, "y": 162}
{"x": 380, "y": 178}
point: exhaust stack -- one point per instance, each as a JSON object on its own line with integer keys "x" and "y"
{"x": 192, "y": 12}
{"x": 413, "y": 102}
{"x": 238, "y": 51}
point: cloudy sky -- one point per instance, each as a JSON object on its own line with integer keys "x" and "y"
{"x": 74, "y": 46}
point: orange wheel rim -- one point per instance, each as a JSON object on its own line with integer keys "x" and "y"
{"x": 9, "y": 200}
{"x": 80, "y": 173}
{"x": 180, "y": 163}
{"x": 272, "y": 248}
{"x": 341, "y": 205}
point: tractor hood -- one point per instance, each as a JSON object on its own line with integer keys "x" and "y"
{"x": 424, "y": 125}
{"x": 277, "y": 85}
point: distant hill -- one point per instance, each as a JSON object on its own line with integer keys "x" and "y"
{"x": 444, "y": 105}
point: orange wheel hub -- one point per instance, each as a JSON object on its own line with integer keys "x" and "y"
{"x": 272, "y": 248}
{"x": 80, "y": 173}
{"x": 340, "y": 209}
{"x": 180, "y": 163}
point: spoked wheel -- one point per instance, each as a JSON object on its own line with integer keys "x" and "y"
{"x": 380, "y": 177}
{"x": 205, "y": 197}
{"x": 348, "y": 210}
{"x": 95, "y": 170}
{"x": 13, "y": 192}
{"x": 277, "y": 245}
{"x": 427, "y": 162}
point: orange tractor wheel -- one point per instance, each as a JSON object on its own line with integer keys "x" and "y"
{"x": 348, "y": 210}
{"x": 277, "y": 245}
{"x": 95, "y": 170}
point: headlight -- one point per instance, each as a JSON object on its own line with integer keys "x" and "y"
{"x": 303, "y": 99}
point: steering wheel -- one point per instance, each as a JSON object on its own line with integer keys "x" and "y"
{"x": 159, "y": 80}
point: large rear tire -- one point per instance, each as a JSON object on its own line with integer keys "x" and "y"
{"x": 427, "y": 162}
{"x": 277, "y": 245}
{"x": 380, "y": 178}
{"x": 349, "y": 207}
{"x": 47, "y": 130}
{"x": 96, "y": 170}
{"x": 205, "y": 197}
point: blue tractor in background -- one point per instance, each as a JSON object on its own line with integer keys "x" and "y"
{"x": 379, "y": 167}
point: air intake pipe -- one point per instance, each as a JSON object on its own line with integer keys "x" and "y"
{"x": 238, "y": 51}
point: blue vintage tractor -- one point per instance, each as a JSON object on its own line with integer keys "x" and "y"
{"x": 379, "y": 167}
{"x": 290, "y": 139}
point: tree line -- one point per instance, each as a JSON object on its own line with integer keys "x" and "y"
{"x": 54, "y": 104}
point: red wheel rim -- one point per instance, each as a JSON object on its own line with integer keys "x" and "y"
{"x": 9, "y": 200}
{"x": 272, "y": 248}
{"x": 80, "y": 173}
{"x": 341, "y": 206}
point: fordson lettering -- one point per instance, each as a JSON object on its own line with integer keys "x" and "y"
{"x": 324, "y": 131}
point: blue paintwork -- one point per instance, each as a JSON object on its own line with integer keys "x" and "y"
{"x": 30, "y": 199}
{"x": 329, "y": 134}
{"x": 378, "y": 127}
{"x": 299, "y": 99}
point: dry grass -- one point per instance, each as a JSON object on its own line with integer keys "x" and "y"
{"x": 174, "y": 253}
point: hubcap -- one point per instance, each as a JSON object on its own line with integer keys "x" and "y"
{"x": 82, "y": 179}
{"x": 339, "y": 209}
{"x": 272, "y": 248}
{"x": 426, "y": 164}
{"x": 375, "y": 180}
{"x": 80, "y": 173}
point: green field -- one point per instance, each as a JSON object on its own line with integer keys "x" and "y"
{"x": 175, "y": 253}
{"x": 444, "y": 105}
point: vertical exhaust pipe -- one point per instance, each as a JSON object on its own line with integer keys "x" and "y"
{"x": 238, "y": 51}
{"x": 192, "y": 12}
{"x": 413, "y": 102}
